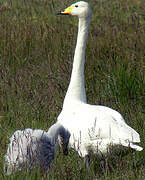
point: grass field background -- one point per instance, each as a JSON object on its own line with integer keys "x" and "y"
{"x": 36, "y": 53}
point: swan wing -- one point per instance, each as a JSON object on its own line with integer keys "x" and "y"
{"x": 110, "y": 111}
{"x": 98, "y": 123}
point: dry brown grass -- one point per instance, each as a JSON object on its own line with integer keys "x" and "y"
{"x": 36, "y": 50}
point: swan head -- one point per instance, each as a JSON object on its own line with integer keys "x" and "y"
{"x": 64, "y": 141}
{"x": 80, "y": 9}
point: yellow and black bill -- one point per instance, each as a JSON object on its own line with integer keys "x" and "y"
{"x": 66, "y": 11}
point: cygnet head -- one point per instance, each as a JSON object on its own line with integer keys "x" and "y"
{"x": 64, "y": 140}
{"x": 80, "y": 9}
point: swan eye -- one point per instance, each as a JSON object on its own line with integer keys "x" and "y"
{"x": 76, "y": 6}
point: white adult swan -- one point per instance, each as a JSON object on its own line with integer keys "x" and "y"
{"x": 34, "y": 148}
{"x": 91, "y": 126}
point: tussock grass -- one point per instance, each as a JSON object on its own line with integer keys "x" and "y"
{"x": 36, "y": 52}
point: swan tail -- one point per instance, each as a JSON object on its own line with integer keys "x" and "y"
{"x": 128, "y": 133}
{"x": 133, "y": 146}
{"x": 136, "y": 147}
{"x": 134, "y": 136}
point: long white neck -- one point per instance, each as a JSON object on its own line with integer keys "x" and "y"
{"x": 76, "y": 90}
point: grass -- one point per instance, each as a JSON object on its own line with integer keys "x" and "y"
{"x": 36, "y": 52}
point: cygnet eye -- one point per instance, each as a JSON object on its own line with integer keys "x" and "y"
{"x": 76, "y": 6}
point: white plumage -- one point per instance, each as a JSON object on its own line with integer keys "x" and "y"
{"x": 91, "y": 126}
{"x": 29, "y": 148}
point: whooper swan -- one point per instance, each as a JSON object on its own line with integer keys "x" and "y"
{"x": 92, "y": 126}
{"x": 29, "y": 148}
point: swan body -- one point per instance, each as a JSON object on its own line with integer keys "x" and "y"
{"x": 92, "y": 126}
{"x": 34, "y": 148}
